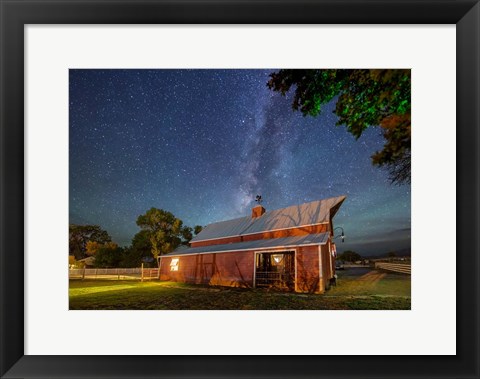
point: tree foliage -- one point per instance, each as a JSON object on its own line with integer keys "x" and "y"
{"x": 141, "y": 247}
{"x": 91, "y": 248}
{"x": 109, "y": 255}
{"x": 141, "y": 242}
{"x": 364, "y": 98}
{"x": 197, "y": 229}
{"x": 187, "y": 234}
{"x": 134, "y": 258}
{"x": 349, "y": 256}
{"x": 80, "y": 235}
{"x": 165, "y": 232}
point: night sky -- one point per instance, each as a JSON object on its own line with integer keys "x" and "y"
{"x": 203, "y": 143}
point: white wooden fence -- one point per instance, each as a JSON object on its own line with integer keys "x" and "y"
{"x": 395, "y": 267}
{"x": 137, "y": 273}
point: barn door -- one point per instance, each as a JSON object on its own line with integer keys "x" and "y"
{"x": 275, "y": 269}
{"x": 205, "y": 268}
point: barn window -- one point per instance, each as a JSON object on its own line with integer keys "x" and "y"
{"x": 174, "y": 264}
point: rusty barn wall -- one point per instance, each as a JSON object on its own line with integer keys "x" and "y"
{"x": 220, "y": 241}
{"x": 304, "y": 230}
{"x": 327, "y": 265}
{"x": 307, "y": 269}
{"x": 186, "y": 272}
{"x": 233, "y": 269}
{"x": 293, "y": 232}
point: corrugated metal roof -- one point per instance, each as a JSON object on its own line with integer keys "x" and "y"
{"x": 315, "y": 212}
{"x": 221, "y": 229}
{"x": 310, "y": 239}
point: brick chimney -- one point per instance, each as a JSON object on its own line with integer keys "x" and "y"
{"x": 257, "y": 211}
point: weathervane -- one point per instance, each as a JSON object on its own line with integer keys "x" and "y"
{"x": 258, "y": 199}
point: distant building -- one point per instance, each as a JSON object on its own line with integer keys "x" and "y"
{"x": 289, "y": 248}
{"x": 88, "y": 262}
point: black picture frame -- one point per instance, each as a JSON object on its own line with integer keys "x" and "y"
{"x": 15, "y": 14}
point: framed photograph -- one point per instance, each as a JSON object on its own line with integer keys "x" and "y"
{"x": 239, "y": 189}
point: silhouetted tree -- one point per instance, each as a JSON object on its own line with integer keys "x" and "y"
{"x": 80, "y": 235}
{"x": 187, "y": 234}
{"x": 108, "y": 255}
{"x": 165, "y": 232}
{"x": 349, "y": 256}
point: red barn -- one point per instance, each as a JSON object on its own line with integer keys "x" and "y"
{"x": 289, "y": 248}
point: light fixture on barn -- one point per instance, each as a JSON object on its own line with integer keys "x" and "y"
{"x": 277, "y": 258}
{"x": 341, "y": 235}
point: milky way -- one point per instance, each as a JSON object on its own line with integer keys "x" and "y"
{"x": 202, "y": 143}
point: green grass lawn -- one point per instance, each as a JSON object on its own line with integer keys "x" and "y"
{"x": 366, "y": 282}
{"x": 369, "y": 291}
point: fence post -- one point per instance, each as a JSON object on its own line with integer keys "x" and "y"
{"x": 142, "y": 272}
{"x": 83, "y": 276}
{"x": 118, "y": 274}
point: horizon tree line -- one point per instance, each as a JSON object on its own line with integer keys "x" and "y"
{"x": 160, "y": 233}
